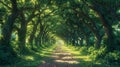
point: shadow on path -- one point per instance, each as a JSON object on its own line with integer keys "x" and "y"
{"x": 66, "y": 57}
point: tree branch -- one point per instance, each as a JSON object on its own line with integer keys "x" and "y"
{"x": 5, "y": 4}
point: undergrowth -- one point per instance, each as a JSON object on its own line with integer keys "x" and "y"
{"x": 32, "y": 58}
{"x": 99, "y": 57}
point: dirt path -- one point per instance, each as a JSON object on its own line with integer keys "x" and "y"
{"x": 65, "y": 56}
{"x": 60, "y": 58}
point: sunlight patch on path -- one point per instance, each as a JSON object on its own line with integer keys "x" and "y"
{"x": 76, "y": 53}
{"x": 64, "y": 55}
{"x": 61, "y": 55}
{"x": 67, "y": 61}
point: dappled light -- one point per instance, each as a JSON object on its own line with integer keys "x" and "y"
{"x": 63, "y": 57}
{"x": 67, "y": 61}
{"x": 29, "y": 58}
{"x": 59, "y": 33}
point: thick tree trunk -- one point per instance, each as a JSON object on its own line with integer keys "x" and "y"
{"x": 108, "y": 29}
{"x": 92, "y": 27}
{"x": 32, "y": 35}
{"x": 106, "y": 24}
{"x": 23, "y": 30}
{"x": 22, "y": 34}
{"x": 96, "y": 34}
{"x": 5, "y": 41}
{"x": 39, "y": 36}
{"x": 6, "y": 48}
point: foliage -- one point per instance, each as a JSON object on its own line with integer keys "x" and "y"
{"x": 92, "y": 26}
{"x": 113, "y": 57}
{"x": 97, "y": 54}
{"x": 101, "y": 55}
{"x": 83, "y": 50}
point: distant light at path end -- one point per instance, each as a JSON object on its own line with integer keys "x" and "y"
{"x": 59, "y": 42}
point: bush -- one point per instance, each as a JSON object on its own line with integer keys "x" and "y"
{"x": 84, "y": 50}
{"x": 91, "y": 49}
{"x": 106, "y": 57}
{"x": 113, "y": 57}
{"x": 96, "y": 54}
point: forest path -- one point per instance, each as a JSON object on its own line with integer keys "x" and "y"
{"x": 62, "y": 57}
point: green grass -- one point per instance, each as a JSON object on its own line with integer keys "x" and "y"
{"x": 33, "y": 59}
{"x": 85, "y": 60}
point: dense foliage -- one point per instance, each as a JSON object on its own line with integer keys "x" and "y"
{"x": 28, "y": 25}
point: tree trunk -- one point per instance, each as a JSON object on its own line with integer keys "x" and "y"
{"x": 106, "y": 24}
{"x": 6, "y": 48}
{"x": 32, "y": 35}
{"x": 96, "y": 34}
{"x": 22, "y": 34}
{"x": 92, "y": 27}
{"x": 98, "y": 41}
{"x": 85, "y": 35}
{"x": 108, "y": 29}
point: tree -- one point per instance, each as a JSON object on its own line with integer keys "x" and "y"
{"x": 6, "y": 48}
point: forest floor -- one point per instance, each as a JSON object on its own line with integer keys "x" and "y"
{"x": 57, "y": 56}
{"x": 65, "y": 56}
{"x": 61, "y": 57}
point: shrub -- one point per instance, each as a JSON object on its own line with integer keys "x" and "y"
{"x": 113, "y": 57}
{"x": 84, "y": 50}
{"x": 96, "y": 54}
{"x": 102, "y": 55}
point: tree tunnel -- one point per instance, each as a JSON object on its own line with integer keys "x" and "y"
{"x": 28, "y": 25}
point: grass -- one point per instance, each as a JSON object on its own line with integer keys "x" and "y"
{"x": 33, "y": 59}
{"x": 85, "y": 60}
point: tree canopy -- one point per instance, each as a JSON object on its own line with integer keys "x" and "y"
{"x": 31, "y": 24}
